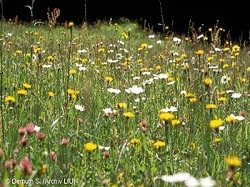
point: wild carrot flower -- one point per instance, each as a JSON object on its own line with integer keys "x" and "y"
{"x": 90, "y": 147}
{"x": 134, "y": 89}
{"x": 80, "y": 108}
{"x": 159, "y": 144}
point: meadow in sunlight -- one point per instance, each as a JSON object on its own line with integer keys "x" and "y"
{"x": 113, "y": 104}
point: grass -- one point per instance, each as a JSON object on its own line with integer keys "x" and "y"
{"x": 113, "y": 104}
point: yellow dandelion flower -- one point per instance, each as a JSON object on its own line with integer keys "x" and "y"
{"x": 26, "y": 86}
{"x": 189, "y": 95}
{"x": 215, "y": 124}
{"x": 108, "y": 79}
{"x": 124, "y": 35}
{"x": 208, "y": 81}
{"x": 175, "y": 122}
{"x": 71, "y": 91}
{"x": 128, "y": 114}
{"x": 90, "y": 147}
{"x": 71, "y": 24}
{"x": 144, "y": 45}
{"x": 159, "y": 144}
{"x": 235, "y": 48}
{"x": 121, "y": 105}
{"x": 101, "y": 50}
{"x": 10, "y": 99}
{"x": 166, "y": 116}
{"x": 217, "y": 140}
{"x": 22, "y": 92}
{"x": 72, "y": 71}
{"x": 233, "y": 161}
{"x": 210, "y": 106}
{"x": 135, "y": 141}
{"x": 222, "y": 99}
{"x": 51, "y": 94}
{"x": 225, "y": 66}
{"x": 43, "y": 168}
{"x": 193, "y": 99}
{"x": 231, "y": 119}
{"x": 199, "y": 52}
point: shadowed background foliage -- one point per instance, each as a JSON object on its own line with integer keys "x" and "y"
{"x": 176, "y": 14}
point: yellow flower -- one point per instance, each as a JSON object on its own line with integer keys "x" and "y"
{"x": 121, "y": 105}
{"x": 193, "y": 99}
{"x": 215, "y": 124}
{"x": 108, "y": 79}
{"x": 128, "y": 114}
{"x": 51, "y": 94}
{"x": 189, "y": 95}
{"x": 199, "y": 52}
{"x": 71, "y": 24}
{"x": 22, "y": 92}
{"x": 210, "y": 106}
{"x": 43, "y": 168}
{"x": 175, "y": 122}
{"x": 27, "y": 86}
{"x": 124, "y": 35}
{"x": 235, "y": 48}
{"x": 165, "y": 116}
{"x": 225, "y": 66}
{"x": 90, "y": 147}
{"x": 208, "y": 81}
{"x": 159, "y": 144}
{"x": 135, "y": 141}
{"x": 71, "y": 91}
{"x": 144, "y": 45}
{"x": 10, "y": 99}
{"x": 101, "y": 50}
{"x": 217, "y": 140}
{"x": 50, "y": 58}
{"x": 72, "y": 71}
{"x": 231, "y": 119}
{"x": 233, "y": 161}
{"x": 222, "y": 99}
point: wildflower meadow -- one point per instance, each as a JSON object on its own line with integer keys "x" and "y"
{"x": 115, "y": 104}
